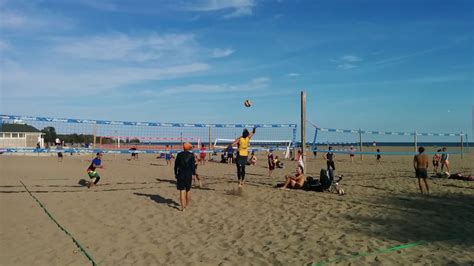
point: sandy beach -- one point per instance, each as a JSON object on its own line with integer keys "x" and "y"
{"x": 132, "y": 218}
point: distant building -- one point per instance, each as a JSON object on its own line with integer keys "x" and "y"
{"x": 20, "y": 136}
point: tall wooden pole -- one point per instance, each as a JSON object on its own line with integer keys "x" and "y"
{"x": 416, "y": 142}
{"x": 360, "y": 145}
{"x": 94, "y": 132}
{"x": 210, "y": 144}
{"x": 303, "y": 127}
{"x": 462, "y": 145}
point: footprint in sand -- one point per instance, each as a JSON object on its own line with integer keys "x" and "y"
{"x": 235, "y": 192}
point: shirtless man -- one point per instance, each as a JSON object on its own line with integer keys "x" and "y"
{"x": 295, "y": 181}
{"x": 420, "y": 162}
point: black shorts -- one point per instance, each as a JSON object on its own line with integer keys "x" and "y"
{"x": 230, "y": 156}
{"x": 271, "y": 167}
{"x": 435, "y": 163}
{"x": 331, "y": 164}
{"x": 421, "y": 173}
{"x": 242, "y": 160}
{"x": 184, "y": 183}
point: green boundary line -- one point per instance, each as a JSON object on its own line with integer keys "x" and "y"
{"x": 366, "y": 254}
{"x": 83, "y": 250}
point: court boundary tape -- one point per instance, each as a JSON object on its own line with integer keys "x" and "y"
{"x": 82, "y": 249}
{"x": 367, "y": 254}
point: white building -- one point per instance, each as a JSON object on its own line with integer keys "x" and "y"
{"x": 20, "y": 136}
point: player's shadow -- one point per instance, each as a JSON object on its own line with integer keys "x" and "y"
{"x": 159, "y": 199}
{"x": 82, "y": 182}
{"x": 173, "y": 182}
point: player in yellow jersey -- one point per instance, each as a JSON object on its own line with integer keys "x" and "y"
{"x": 243, "y": 144}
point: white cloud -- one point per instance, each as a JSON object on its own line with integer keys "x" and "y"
{"x": 347, "y": 61}
{"x": 15, "y": 20}
{"x": 123, "y": 47}
{"x": 238, "y": 8}
{"x": 293, "y": 75}
{"x": 346, "y": 66}
{"x": 351, "y": 58}
{"x": 101, "y": 5}
{"x": 27, "y": 82}
{"x": 240, "y": 12}
{"x": 4, "y": 45}
{"x": 87, "y": 65}
{"x": 218, "y": 53}
{"x": 254, "y": 85}
{"x": 448, "y": 78}
{"x": 213, "y": 5}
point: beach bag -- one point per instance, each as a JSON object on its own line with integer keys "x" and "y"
{"x": 312, "y": 184}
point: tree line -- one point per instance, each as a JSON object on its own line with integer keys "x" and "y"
{"x": 50, "y": 136}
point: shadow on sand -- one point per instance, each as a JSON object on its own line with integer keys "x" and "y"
{"x": 414, "y": 217}
{"x": 159, "y": 199}
{"x": 172, "y": 182}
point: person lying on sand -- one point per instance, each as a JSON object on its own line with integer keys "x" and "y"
{"x": 295, "y": 181}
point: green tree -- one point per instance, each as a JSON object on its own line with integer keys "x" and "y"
{"x": 49, "y": 134}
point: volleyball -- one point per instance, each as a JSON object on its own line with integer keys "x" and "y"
{"x": 247, "y": 103}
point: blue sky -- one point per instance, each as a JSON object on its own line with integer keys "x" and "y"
{"x": 375, "y": 64}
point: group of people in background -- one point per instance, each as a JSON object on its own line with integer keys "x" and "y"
{"x": 186, "y": 164}
{"x": 441, "y": 160}
{"x": 273, "y": 162}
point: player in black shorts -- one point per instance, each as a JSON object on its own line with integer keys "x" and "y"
{"x": 184, "y": 169}
{"x": 330, "y": 157}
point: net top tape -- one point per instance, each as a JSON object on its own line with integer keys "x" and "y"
{"x": 146, "y": 124}
{"x": 390, "y": 133}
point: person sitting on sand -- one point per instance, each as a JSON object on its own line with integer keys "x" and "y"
{"x": 278, "y": 163}
{"x": 91, "y": 170}
{"x": 295, "y": 181}
{"x": 420, "y": 162}
{"x": 253, "y": 159}
{"x": 184, "y": 169}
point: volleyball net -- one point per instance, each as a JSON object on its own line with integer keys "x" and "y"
{"x": 359, "y": 141}
{"x": 89, "y": 135}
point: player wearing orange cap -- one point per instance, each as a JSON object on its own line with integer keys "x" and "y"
{"x": 184, "y": 169}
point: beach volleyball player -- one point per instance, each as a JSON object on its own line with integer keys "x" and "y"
{"x": 243, "y": 144}
{"x": 91, "y": 170}
{"x": 184, "y": 170}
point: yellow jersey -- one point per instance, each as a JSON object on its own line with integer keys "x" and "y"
{"x": 244, "y": 146}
